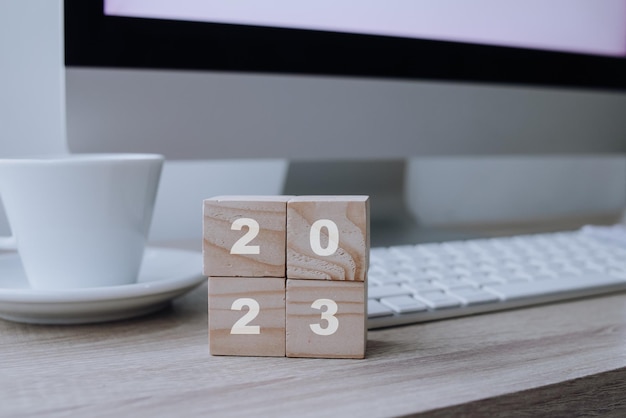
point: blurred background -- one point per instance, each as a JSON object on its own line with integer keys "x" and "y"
{"x": 43, "y": 110}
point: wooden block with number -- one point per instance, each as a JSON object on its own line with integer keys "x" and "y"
{"x": 328, "y": 237}
{"x": 247, "y": 316}
{"x": 326, "y": 319}
{"x": 245, "y": 236}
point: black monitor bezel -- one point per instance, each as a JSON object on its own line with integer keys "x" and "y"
{"x": 93, "y": 39}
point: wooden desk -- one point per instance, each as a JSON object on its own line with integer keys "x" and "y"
{"x": 559, "y": 359}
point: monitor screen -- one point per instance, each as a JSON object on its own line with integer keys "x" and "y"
{"x": 345, "y": 79}
{"x": 583, "y": 26}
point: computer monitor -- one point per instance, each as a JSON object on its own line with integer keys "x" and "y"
{"x": 346, "y": 79}
{"x": 345, "y": 90}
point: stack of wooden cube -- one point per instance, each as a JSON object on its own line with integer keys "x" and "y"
{"x": 287, "y": 275}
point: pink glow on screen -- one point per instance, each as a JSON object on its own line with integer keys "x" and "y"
{"x": 586, "y": 26}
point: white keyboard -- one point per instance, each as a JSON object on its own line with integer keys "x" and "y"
{"x": 424, "y": 282}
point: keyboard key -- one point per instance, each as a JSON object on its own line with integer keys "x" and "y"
{"x": 376, "y": 309}
{"x": 386, "y": 279}
{"x": 500, "y": 278}
{"x": 546, "y": 275}
{"x": 479, "y": 280}
{"x": 404, "y": 304}
{"x": 421, "y": 287}
{"x": 474, "y": 296}
{"x": 452, "y": 283}
{"x": 402, "y": 268}
{"x": 438, "y": 300}
{"x": 377, "y": 270}
{"x": 425, "y": 275}
{"x": 385, "y": 291}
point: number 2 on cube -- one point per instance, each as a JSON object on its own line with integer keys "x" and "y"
{"x": 241, "y": 327}
{"x": 241, "y": 245}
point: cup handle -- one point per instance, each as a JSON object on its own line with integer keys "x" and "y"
{"x": 8, "y": 243}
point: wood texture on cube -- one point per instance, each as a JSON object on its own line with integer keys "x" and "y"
{"x": 270, "y": 295}
{"x": 219, "y": 214}
{"x": 350, "y": 338}
{"x": 351, "y": 260}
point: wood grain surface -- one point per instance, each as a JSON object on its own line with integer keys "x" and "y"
{"x": 159, "y": 365}
{"x": 220, "y": 212}
{"x": 269, "y": 295}
{"x": 351, "y": 259}
{"x": 348, "y": 340}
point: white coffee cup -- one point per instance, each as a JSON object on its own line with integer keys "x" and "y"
{"x": 79, "y": 220}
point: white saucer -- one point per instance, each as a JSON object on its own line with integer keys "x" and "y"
{"x": 164, "y": 275}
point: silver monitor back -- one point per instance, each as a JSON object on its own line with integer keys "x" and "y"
{"x": 185, "y": 114}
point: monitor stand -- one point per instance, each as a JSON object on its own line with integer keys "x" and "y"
{"x": 384, "y": 181}
{"x": 32, "y": 98}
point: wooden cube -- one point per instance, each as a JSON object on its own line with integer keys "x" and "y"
{"x": 326, "y": 319}
{"x": 247, "y": 316}
{"x": 245, "y": 236}
{"x": 328, "y": 237}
